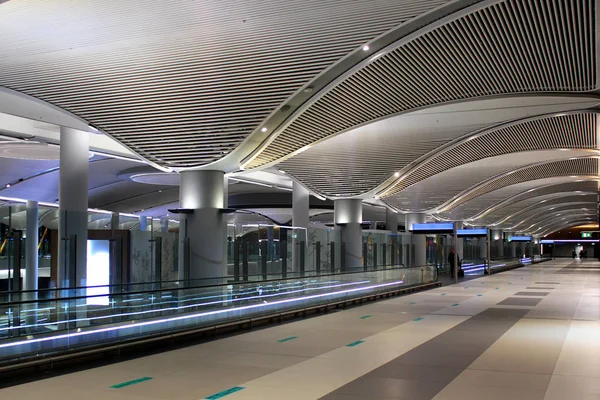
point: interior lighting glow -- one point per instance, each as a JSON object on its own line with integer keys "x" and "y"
{"x": 264, "y": 129}
{"x": 7, "y": 185}
{"x": 366, "y": 47}
{"x": 197, "y": 315}
{"x": 397, "y": 174}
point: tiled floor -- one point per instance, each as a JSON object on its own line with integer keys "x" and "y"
{"x": 531, "y": 333}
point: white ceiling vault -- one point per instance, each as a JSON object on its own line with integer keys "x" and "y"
{"x": 473, "y": 110}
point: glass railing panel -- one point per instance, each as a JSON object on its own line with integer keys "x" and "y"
{"x": 46, "y": 325}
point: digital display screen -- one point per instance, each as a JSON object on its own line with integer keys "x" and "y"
{"x": 98, "y": 271}
{"x": 519, "y": 238}
{"x": 471, "y": 232}
{"x": 442, "y": 227}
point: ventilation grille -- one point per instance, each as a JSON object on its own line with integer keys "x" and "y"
{"x": 514, "y": 46}
{"x": 182, "y": 83}
{"x": 583, "y": 167}
{"x": 573, "y": 131}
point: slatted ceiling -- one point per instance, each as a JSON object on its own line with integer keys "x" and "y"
{"x": 169, "y": 77}
{"x": 350, "y": 168}
{"x": 583, "y": 186}
{"x": 516, "y": 211}
{"x": 583, "y": 167}
{"x": 535, "y": 216}
{"x": 513, "y": 46}
{"x": 572, "y": 131}
{"x": 542, "y": 220}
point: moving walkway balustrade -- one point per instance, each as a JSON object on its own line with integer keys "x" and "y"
{"x": 51, "y": 325}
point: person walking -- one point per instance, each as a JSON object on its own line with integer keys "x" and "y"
{"x": 451, "y": 262}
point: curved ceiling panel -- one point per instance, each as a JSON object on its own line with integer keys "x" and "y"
{"x": 557, "y": 211}
{"x": 496, "y": 211}
{"x": 449, "y": 189}
{"x": 511, "y": 46}
{"x": 467, "y": 211}
{"x": 559, "y": 225}
{"x": 559, "y": 220}
{"x": 571, "y": 131}
{"x": 572, "y": 167}
{"x": 182, "y": 83}
{"x": 512, "y": 214}
{"x": 362, "y": 159}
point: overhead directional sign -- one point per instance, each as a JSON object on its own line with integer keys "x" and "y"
{"x": 471, "y": 232}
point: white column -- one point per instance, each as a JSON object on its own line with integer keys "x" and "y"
{"x": 418, "y": 240}
{"x": 391, "y": 224}
{"x": 31, "y": 249}
{"x": 391, "y": 221}
{"x": 496, "y": 236}
{"x": 300, "y": 219}
{"x": 203, "y": 193}
{"x": 143, "y": 223}
{"x": 73, "y": 205}
{"x": 348, "y": 214}
{"x": 459, "y": 242}
{"x": 483, "y": 247}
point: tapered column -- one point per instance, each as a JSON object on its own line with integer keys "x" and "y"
{"x": 300, "y": 219}
{"x": 31, "y": 249}
{"x": 348, "y": 215}
{"x": 391, "y": 224}
{"x": 73, "y": 205}
{"x": 483, "y": 247}
{"x": 459, "y": 242}
{"x": 202, "y": 230}
{"x": 498, "y": 241}
{"x": 419, "y": 241}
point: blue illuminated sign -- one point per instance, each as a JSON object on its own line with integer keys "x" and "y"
{"x": 546, "y": 241}
{"x": 519, "y": 239}
{"x": 434, "y": 227}
{"x": 471, "y": 232}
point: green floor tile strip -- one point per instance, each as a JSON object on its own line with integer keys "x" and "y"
{"x": 129, "y": 383}
{"x": 287, "y": 339}
{"x": 366, "y": 316}
{"x": 417, "y": 319}
{"x": 454, "y": 305}
{"x": 225, "y": 393}
{"x": 412, "y": 302}
{"x": 355, "y": 343}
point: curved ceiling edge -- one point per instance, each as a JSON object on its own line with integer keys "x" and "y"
{"x": 14, "y": 102}
{"x": 250, "y": 162}
{"x": 316, "y": 88}
{"x": 560, "y": 188}
{"x": 463, "y": 197}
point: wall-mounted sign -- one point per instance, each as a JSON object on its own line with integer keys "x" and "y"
{"x": 586, "y": 234}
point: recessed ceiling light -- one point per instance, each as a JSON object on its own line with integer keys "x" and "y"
{"x": 397, "y": 174}
{"x": 8, "y": 185}
{"x": 264, "y": 129}
{"x": 366, "y": 47}
{"x": 282, "y": 171}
